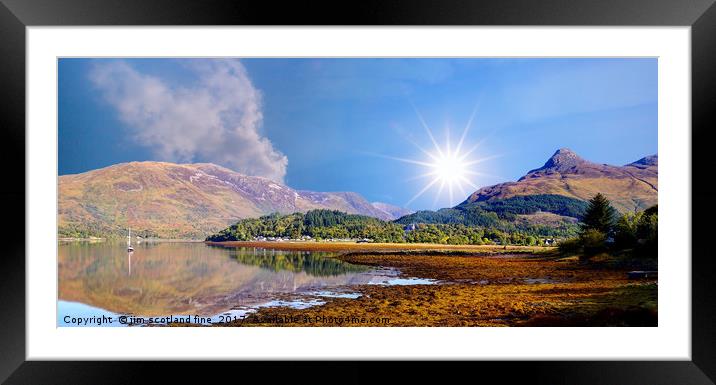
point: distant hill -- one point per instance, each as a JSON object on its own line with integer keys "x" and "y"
{"x": 629, "y": 187}
{"x": 543, "y": 214}
{"x": 393, "y": 212}
{"x": 159, "y": 199}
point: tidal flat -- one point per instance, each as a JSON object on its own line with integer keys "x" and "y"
{"x": 496, "y": 287}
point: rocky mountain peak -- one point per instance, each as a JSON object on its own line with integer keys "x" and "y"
{"x": 651, "y": 160}
{"x": 563, "y": 160}
{"x": 563, "y": 157}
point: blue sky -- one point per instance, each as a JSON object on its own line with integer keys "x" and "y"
{"x": 340, "y": 124}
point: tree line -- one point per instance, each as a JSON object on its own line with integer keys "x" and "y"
{"x": 331, "y": 224}
{"x": 602, "y": 229}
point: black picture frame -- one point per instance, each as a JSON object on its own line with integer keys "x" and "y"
{"x": 16, "y": 15}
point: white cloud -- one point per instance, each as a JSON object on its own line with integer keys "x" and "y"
{"x": 216, "y": 118}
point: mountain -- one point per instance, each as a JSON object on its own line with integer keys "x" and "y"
{"x": 392, "y": 212}
{"x": 628, "y": 187}
{"x": 159, "y": 199}
{"x": 551, "y": 199}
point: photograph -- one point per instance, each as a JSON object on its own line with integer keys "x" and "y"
{"x": 357, "y": 192}
{"x": 228, "y": 185}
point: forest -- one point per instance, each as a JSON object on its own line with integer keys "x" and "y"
{"x": 600, "y": 227}
{"x": 328, "y": 224}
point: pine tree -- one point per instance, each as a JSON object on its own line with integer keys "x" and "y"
{"x": 599, "y": 215}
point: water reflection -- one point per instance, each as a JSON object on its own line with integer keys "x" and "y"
{"x": 312, "y": 263}
{"x": 192, "y": 278}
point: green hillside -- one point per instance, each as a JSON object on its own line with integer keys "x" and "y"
{"x": 492, "y": 212}
{"x": 469, "y": 225}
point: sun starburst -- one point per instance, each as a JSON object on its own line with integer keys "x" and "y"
{"x": 447, "y": 167}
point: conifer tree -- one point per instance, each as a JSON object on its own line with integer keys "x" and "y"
{"x": 599, "y": 215}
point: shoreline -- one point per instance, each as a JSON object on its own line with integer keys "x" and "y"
{"x": 90, "y": 239}
{"x": 383, "y": 247}
{"x": 143, "y": 240}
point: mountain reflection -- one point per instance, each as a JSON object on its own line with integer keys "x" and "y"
{"x": 191, "y": 278}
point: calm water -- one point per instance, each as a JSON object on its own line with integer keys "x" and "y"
{"x": 162, "y": 279}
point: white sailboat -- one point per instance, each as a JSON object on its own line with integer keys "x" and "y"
{"x": 129, "y": 241}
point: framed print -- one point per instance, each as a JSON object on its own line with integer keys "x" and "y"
{"x": 481, "y": 183}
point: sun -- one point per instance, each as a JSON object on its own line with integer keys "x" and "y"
{"x": 449, "y": 170}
